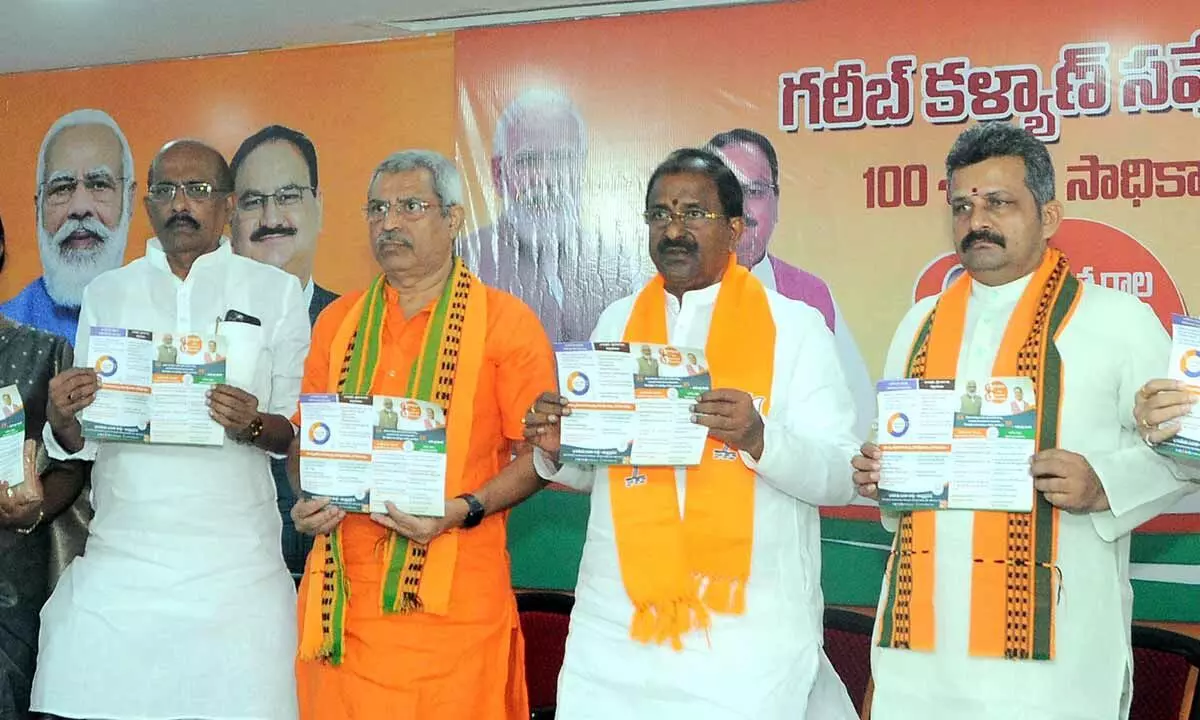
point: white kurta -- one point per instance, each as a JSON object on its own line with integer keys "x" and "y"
{"x": 768, "y": 663}
{"x": 181, "y": 606}
{"x": 1110, "y": 346}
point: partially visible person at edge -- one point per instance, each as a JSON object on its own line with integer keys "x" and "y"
{"x": 752, "y": 158}
{"x": 29, "y": 506}
{"x": 1022, "y": 614}
{"x": 182, "y": 606}
{"x": 646, "y": 639}
{"x": 422, "y": 621}
{"x": 277, "y": 216}
{"x": 84, "y": 201}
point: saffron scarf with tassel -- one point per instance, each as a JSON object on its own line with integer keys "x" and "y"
{"x": 1014, "y": 574}
{"x": 416, "y": 578}
{"x": 676, "y": 570}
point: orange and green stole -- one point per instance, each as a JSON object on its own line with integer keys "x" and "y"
{"x": 1013, "y": 577}
{"x": 416, "y": 578}
{"x": 675, "y": 570}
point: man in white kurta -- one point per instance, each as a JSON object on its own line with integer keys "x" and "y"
{"x": 767, "y": 663}
{"x": 182, "y": 606}
{"x": 1109, "y": 346}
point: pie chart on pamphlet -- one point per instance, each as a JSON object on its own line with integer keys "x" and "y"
{"x": 897, "y": 425}
{"x": 1189, "y": 364}
{"x": 578, "y": 383}
{"x": 318, "y": 432}
{"x": 106, "y": 365}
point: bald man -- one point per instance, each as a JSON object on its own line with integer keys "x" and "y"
{"x": 182, "y": 606}
{"x": 84, "y": 197}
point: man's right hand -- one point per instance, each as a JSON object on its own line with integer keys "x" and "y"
{"x": 866, "y": 470}
{"x": 71, "y": 391}
{"x": 316, "y": 516}
{"x": 542, "y": 427}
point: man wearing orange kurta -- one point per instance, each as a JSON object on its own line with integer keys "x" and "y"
{"x": 414, "y": 617}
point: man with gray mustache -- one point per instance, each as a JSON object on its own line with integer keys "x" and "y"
{"x": 84, "y": 203}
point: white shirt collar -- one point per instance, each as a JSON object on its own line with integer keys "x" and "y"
{"x": 691, "y": 298}
{"x": 1006, "y": 294}
{"x": 308, "y": 293}
{"x": 158, "y": 258}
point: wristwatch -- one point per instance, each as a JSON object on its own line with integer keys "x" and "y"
{"x": 253, "y": 430}
{"x": 474, "y": 511}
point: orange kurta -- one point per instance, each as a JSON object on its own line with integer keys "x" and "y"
{"x": 468, "y": 664}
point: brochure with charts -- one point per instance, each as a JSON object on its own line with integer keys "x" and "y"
{"x": 957, "y": 444}
{"x": 362, "y": 451}
{"x": 1185, "y": 366}
{"x": 12, "y": 436}
{"x": 154, "y": 386}
{"x": 631, "y": 403}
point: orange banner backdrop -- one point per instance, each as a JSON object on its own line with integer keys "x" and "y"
{"x": 861, "y": 100}
{"x": 357, "y": 103}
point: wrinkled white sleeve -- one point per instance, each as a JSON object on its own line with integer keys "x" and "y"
{"x": 87, "y": 319}
{"x": 808, "y": 436}
{"x": 1139, "y": 482}
{"x": 290, "y": 341}
{"x": 858, "y": 378}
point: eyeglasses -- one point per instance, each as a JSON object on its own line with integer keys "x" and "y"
{"x": 286, "y": 196}
{"x": 759, "y": 190}
{"x": 691, "y": 218}
{"x": 164, "y": 192}
{"x": 408, "y": 208}
{"x": 102, "y": 187}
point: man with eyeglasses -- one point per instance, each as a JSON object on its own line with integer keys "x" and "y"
{"x": 278, "y": 210}
{"x": 276, "y": 220}
{"x": 182, "y": 606}
{"x": 84, "y": 202}
{"x": 752, "y": 158}
{"x": 699, "y": 590}
{"x": 404, "y": 616}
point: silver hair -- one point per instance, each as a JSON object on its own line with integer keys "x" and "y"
{"x": 532, "y": 101}
{"x": 86, "y": 116}
{"x": 447, "y": 182}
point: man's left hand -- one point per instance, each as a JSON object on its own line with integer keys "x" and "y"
{"x": 422, "y": 530}
{"x": 1068, "y": 481}
{"x": 731, "y": 418}
{"x": 233, "y": 409}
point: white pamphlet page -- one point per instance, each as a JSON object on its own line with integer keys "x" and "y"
{"x": 631, "y": 403}
{"x": 362, "y": 451}
{"x": 154, "y": 386}
{"x": 12, "y": 436}
{"x": 957, "y": 444}
{"x": 1185, "y": 366}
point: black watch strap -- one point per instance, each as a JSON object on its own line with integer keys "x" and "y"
{"x": 474, "y": 511}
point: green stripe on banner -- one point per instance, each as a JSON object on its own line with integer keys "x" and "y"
{"x": 851, "y": 575}
{"x": 1165, "y": 549}
{"x": 1165, "y": 602}
{"x": 545, "y": 540}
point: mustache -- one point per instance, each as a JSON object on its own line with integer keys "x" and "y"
{"x": 89, "y": 225}
{"x": 182, "y": 218}
{"x": 977, "y": 236}
{"x": 392, "y": 237}
{"x": 262, "y": 232}
{"x": 667, "y": 244}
